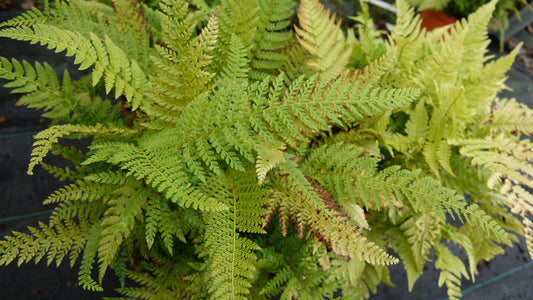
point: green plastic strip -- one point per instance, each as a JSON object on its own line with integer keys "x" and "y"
{"x": 496, "y": 278}
{"x": 17, "y": 134}
{"x": 14, "y": 218}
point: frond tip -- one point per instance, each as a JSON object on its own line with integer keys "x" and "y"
{"x": 323, "y": 38}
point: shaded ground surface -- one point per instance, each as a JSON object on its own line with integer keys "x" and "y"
{"x": 509, "y": 276}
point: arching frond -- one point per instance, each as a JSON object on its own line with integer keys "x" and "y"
{"x": 323, "y": 38}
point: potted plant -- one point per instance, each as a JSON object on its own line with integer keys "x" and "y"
{"x": 253, "y": 162}
{"x": 436, "y": 14}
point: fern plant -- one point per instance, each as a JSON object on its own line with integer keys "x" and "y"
{"x": 231, "y": 157}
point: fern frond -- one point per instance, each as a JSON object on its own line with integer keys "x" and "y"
{"x": 48, "y": 137}
{"x": 486, "y": 84}
{"x": 375, "y": 71}
{"x": 436, "y": 131}
{"x": 237, "y": 18}
{"x": 268, "y": 161}
{"x": 28, "y": 17}
{"x": 81, "y": 190}
{"x": 231, "y": 255}
{"x": 270, "y": 38}
{"x": 73, "y": 43}
{"x": 416, "y": 127}
{"x": 257, "y": 115}
{"x": 401, "y": 245}
{"x": 511, "y": 116}
{"x": 26, "y": 79}
{"x": 478, "y": 218}
{"x": 88, "y": 260}
{"x": 160, "y": 218}
{"x": 119, "y": 71}
{"x": 294, "y": 66}
{"x": 54, "y": 242}
{"x": 66, "y": 173}
{"x": 65, "y": 101}
{"x": 180, "y": 74}
{"x": 329, "y": 225}
{"x": 507, "y": 156}
{"x": 476, "y": 38}
{"x": 521, "y": 202}
{"x": 304, "y": 277}
{"x": 421, "y": 232}
{"x": 159, "y": 168}
{"x": 161, "y": 278}
{"x": 355, "y": 178}
{"x": 236, "y": 67}
{"x": 406, "y": 31}
{"x": 111, "y": 177}
{"x": 117, "y": 224}
{"x": 323, "y": 38}
{"x": 452, "y": 270}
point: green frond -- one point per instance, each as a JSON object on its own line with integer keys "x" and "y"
{"x": 329, "y": 225}
{"x": 160, "y": 218}
{"x": 323, "y": 38}
{"x": 161, "y": 278}
{"x": 66, "y": 173}
{"x": 521, "y": 203}
{"x": 177, "y": 26}
{"x": 376, "y": 70}
{"x": 45, "y": 139}
{"x": 81, "y": 190}
{"x": 236, "y": 68}
{"x": 74, "y": 43}
{"x": 444, "y": 153}
{"x": 88, "y": 259}
{"x": 476, "y": 38}
{"x": 69, "y": 152}
{"x": 56, "y": 242}
{"x": 484, "y": 249}
{"x": 405, "y": 34}
{"x": 128, "y": 15}
{"x": 369, "y": 46}
{"x": 109, "y": 60}
{"x": 28, "y": 17}
{"x": 117, "y": 224}
{"x": 268, "y": 161}
{"x": 159, "y": 168}
{"x": 353, "y": 177}
{"x": 294, "y": 66}
{"x": 478, "y": 218}
{"x": 271, "y": 37}
{"x": 436, "y": 131}
{"x": 66, "y": 102}
{"x": 508, "y": 156}
{"x": 236, "y": 18}
{"x": 511, "y": 116}
{"x": 405, "y": 251}
{"x": 451, "y": 269}
{"x": 180, "y": 73}
{"x": 275, "y": 118}
{"x": 485, "y": 85}
{"x": 231, "y": 258}
{"x": 421, "y": 232}
{"x": 111, "y": 177}
{"x": 299, "y": 271}
{"x": 24, "y": 78}
{"x": 461, "y": 239}
{"x": 416, "y": 127}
